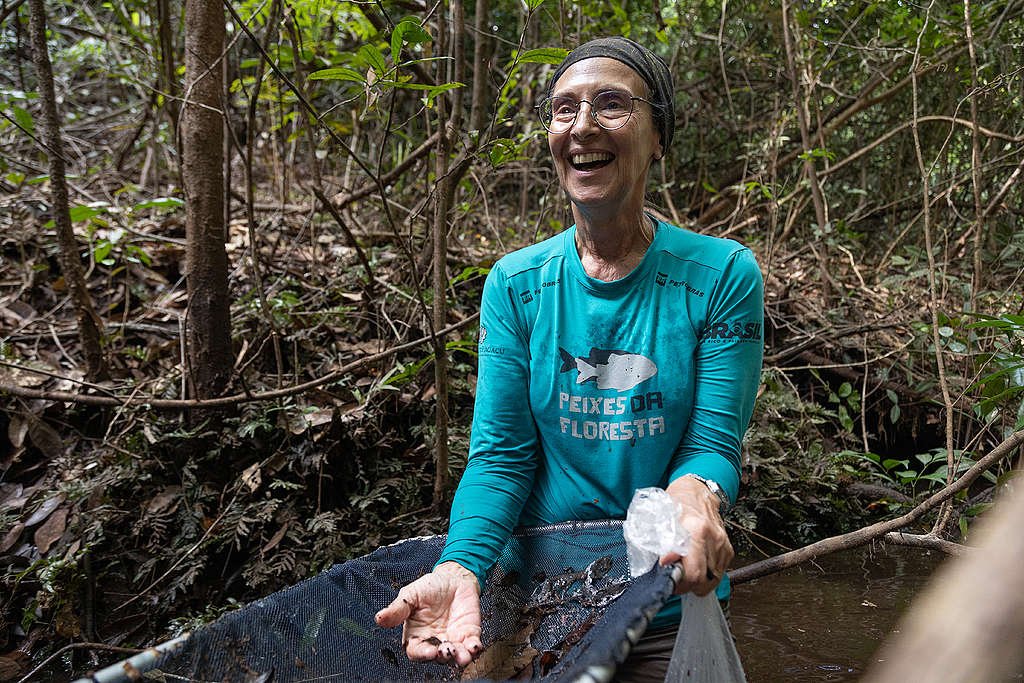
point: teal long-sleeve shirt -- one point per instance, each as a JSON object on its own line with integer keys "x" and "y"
{"x": 588, "y": 390}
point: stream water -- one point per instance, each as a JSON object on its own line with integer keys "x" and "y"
{"x": 824, "y": 622}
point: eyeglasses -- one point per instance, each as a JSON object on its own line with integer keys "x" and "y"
{"x": 610, "y": 109}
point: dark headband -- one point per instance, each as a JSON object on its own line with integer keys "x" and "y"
{"x": 648, "y": 65}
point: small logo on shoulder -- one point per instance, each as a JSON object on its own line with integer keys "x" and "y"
{"x": 660, "y": 278}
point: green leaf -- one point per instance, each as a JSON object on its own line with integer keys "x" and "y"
{"x": 540, "y": 55}
{"x": 24, "y": 119}
{"x": 372, "y": 56}
{"x": 84, "y": 213}
{"x": 894, "y": 414}
{"x": 469, "y": 272}
{"x": 338, "y": 73}
{"x": 945, "y": 331}
{"x": 160, "y": 203}
{"x": 845, "y": 389}
{"x": 503, "y": 150}
{"x": 533, "y": 4}
{"x": 432, "y": 90}
{"x": 408, "y": 30}
{"x": 444, "y": 87}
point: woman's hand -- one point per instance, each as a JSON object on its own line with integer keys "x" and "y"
{"x": 440, "y": 614}
{"x": 710, "y": 551}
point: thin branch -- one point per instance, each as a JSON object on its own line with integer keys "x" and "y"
{"x": 907, "y": 124}
{"x": 855, "y": 539}
{"x": 928, "y": 542}
{"x": 179, "y": 404}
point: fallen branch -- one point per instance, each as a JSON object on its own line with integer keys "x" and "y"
{"x": 860, "y": 537}
{"x": 927, "y": 541}
{"x": 180, "y": 404}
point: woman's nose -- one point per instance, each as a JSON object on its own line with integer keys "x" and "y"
{"x": 585, "y": 123}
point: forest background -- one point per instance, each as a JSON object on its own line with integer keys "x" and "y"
{"x": 243, "y": 246}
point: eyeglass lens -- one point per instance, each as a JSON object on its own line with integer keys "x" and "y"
{"x": 610, "y": 109}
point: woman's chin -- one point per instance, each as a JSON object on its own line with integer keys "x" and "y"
{"x": 596, "y": 199}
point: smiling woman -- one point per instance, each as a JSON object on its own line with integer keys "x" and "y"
{"x": 602, "y": 372}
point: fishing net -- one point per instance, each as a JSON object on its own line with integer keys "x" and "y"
{"x": 558, "y": 606}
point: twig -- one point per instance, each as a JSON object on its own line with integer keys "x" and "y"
{"x": 179, "y": 404}
{"x": 360, "y": 254}
{"x": 869, "y": 533}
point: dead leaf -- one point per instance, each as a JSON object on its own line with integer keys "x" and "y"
{"x": 45, "y": 438}
{"x": 504, "y": 659}
{"x": 22, "y": 376}
{"x": 51, "y": 530}
{"x": 68, "y": 624}
{"x": 17, "y": 430}
{"x": 10, "y": 493}
{"x": 365, "y": 348}
{"x": 272, "y": 543}
{"x": 11, "y": 537}
{"x": 13, "y": 665}
{"x": 163, "y": 501}
{"x": 251, "y": 477}
{"x": 277, "y": 461}
{"x": 48, "y": 506}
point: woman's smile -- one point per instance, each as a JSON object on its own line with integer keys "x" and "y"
{"x": 590, "y": 161}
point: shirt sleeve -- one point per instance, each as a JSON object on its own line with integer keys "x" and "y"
{"x": 503, "y": 443}
{"x": 727, "y": 364}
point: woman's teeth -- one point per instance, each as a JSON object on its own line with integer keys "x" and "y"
{"x": 590, "y": 160}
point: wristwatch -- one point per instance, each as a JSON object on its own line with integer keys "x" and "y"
{"x": 723, "y": 499}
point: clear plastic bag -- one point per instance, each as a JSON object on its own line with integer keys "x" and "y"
{"x": 652, "y": 528}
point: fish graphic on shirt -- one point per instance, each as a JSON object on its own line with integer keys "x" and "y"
{"x": 609, "y": 369}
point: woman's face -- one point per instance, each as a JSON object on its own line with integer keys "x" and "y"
{"x": 598, "y": 168}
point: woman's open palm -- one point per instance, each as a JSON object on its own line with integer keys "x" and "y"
{"x": 440, "y": 613}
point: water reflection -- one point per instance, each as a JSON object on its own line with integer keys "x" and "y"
{"x": 823, "y": 622}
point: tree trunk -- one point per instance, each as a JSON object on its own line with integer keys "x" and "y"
{"x": 209, "y": 329}
{"x": 440, "y": 279}
{"x": 168, "y": 79}
{"x": 481, "y": 55}
{"x": 70, "y": 262}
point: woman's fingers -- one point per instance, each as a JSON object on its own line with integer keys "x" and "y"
{"x": 423, "y": 649}
{"x": 435, "y": 649}
{"x": 394, "y": 614}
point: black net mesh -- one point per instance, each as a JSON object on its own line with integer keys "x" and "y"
{"x": 557, "y": 606}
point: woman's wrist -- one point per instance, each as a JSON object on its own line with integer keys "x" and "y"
{"x": 455, "y": 570}
{"x": 695, "y": 496}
